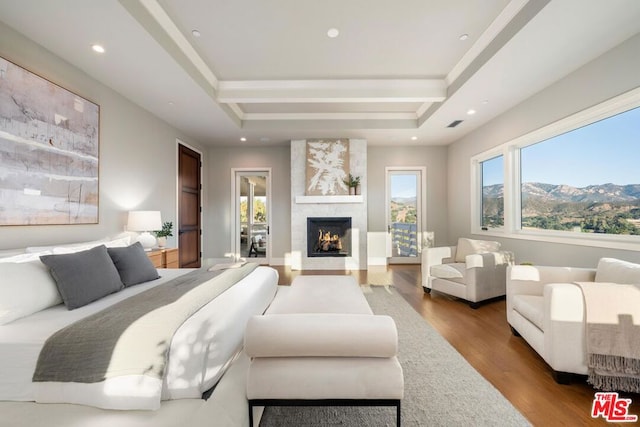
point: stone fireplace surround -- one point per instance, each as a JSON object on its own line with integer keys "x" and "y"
{"x": 303, "y": 207}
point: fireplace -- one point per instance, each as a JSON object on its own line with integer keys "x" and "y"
{"x": 329, "y": 237}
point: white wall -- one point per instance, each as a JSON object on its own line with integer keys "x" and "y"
{"x": 217, "y": 212}
{"x": 434, "y": 159}
{"x": 137, "y": 152}
{"x": 612, "y": 74}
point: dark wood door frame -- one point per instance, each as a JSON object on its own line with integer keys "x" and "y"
{"x": 189, "y": 207}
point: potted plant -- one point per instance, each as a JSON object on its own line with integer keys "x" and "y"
{"x": 352, "y": 182}
{"x": 167, "y": 231}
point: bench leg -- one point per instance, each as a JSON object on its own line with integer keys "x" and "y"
{"x": 250, "y": 414}
{"x": 398, "y": 414}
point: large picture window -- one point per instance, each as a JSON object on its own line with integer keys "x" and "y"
{"x": 576, "y": 180}
{"x": 586, "y": 180}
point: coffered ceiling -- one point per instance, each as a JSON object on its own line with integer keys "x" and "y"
{"x": 398, "y": 73}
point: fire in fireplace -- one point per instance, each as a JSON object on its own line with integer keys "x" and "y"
{"x": 329, "y": 237}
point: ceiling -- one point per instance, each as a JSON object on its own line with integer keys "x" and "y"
{"x": 397, "y": 74}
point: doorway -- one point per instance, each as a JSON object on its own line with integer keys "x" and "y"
{"x": 405, "y": 213}
{"x": 189, "y": 222}
{"x": 252, "y": 214}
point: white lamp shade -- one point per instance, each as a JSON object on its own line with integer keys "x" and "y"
{"x": 144, "y": 221}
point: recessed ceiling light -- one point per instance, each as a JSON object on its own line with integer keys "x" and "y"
{"x": 333, "y": 33}
{"x": 265, "y": 139}
{"x": 243, "y": 139}
{"x": 97, "y": 48}
{"x": 170, "y": 103}
{"x": 471, "y": 112}
{"x": 464, "y": 37}
{"x": 195, "y": 33}
{"x": 414, "y": 138}
{"x": 485, "y": 102}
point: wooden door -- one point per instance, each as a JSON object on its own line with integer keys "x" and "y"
{"x": 189, "y": 187}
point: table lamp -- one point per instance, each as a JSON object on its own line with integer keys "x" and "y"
{"x": 144, "y": 222}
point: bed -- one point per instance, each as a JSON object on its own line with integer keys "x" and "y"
{"x": 205, "y": 359}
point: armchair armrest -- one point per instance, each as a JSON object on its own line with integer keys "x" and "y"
{"x": 564, "y": 329}
{"x": 439, "y": 255}
{"x": 485, "y": 275}
{"x": 435, "y": 256}
{"x": 531, "y": 280}
{"x": 563, "y": 302}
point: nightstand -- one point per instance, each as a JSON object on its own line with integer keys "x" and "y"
{"x": 164, "y": 258}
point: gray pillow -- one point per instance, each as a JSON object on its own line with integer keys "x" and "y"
{"x": 83, "y": 277}
{"x": 133, "y": 264}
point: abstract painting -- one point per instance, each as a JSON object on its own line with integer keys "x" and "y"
{"x": 327, "y": 167}
{"x": 49, "y": 151}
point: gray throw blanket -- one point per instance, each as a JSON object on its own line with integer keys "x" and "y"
{"x": 133, "y": 336}
{"x": 612, "y": 313}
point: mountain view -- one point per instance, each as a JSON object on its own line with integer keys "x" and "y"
{"x": 403, "y": 226}
{"x": 403, "y": 209}
{"x": 606, "y": 208}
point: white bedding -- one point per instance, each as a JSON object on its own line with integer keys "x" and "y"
{"x": 195, "y": 359}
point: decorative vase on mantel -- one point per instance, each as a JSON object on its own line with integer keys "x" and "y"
{"x": 353, "y": 182}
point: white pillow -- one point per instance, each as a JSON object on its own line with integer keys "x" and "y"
{"x": 26, "y": 288}
{"x": 121, "y": 240}
{"x": 38, "y": 249}
{"x": 6, "y": 253}
{"x": 70, "y": 249}
{"x": 25, "y": 257}
{"x": 617, "y": 271}
{"x": 470, "y": 247}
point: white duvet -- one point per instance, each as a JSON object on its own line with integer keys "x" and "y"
{"x": 200, "y": 350}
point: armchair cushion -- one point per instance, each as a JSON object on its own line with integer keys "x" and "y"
{"x": 448, "y": 271}
{"x": 531, "y": 307}
{"x": 471, "y": 247}
{"x": 617, "y": 271}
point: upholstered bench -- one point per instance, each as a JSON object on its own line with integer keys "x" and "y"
{"x": 319, "y": 344}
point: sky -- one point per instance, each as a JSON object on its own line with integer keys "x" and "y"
{"x": 607, "y": 151}
{"x": 403, "y": 185}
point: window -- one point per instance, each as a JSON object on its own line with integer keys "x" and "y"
{"x": 492, "y": 172}
{"x": 575, "y": 181}
{"x": 585, "y": 180}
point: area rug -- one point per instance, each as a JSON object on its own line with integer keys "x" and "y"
{"x": 441, "y": 388}
{"x": 368, "y": 288}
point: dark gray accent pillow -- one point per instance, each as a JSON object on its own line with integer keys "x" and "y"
{"x": 83, "y": 277}
{"x": 134, "y": 266}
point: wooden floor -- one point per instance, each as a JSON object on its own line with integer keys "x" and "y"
{"x": 485, "y": 340}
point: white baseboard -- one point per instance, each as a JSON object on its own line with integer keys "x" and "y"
{"x": 377, "y": 261}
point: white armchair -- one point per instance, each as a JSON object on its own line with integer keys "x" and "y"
{"x": 474, "y": 270}
{"x": 547, "y": 309}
